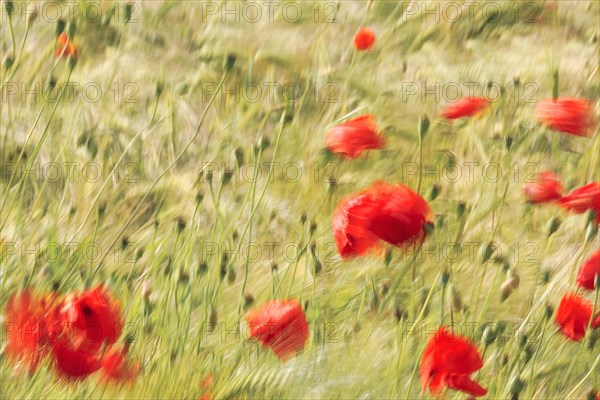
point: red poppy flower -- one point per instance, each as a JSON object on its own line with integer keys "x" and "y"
{"x": 91, "y": 319}
{"x": 391, "y": 213}
{"x": 582, "y": 199}
{"x": 280, "y": 325}
{"x": 364, "y": 39}
{"x": 74, "y": 363}
{"x": 448, "y": 361}
{"x": 26, "y": 338}
{"x": 574, "y": 116}
{"x": 116, "y": 368}
{"x": 355, "y": 136}
{"x": 573, "y": 316}
{"x": 465, "y": 107}
{"x": 87, "y": 322}
{"x": 589, "y": 272}
{"x": 65, "y": 47}
{"x": 547, "y": 188}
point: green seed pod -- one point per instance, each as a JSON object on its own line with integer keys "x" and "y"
{"x": 487, "y": 251}
{"x": 423, "y": 125}
{"x": 229, "y": 62}
{"x": 434, "y": 192}
{"x": 248, "y": 300}
{"x": 460, "y": 208}
{"x": 128, "y": 12}
{"x": 8, "y": 62}
{"x": 553, "y": 225}
{"x": 60, "y": 27}
{"x": 9, "y": 6}
{"x": 71, "y": 29}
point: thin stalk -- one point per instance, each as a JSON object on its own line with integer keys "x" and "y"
{"x": 183, "y": 151}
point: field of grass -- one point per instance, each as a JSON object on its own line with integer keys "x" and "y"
{"x": 190, "y": 235}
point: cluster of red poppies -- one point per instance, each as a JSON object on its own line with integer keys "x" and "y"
{"x": 396, "y": 215}
{"x": 547, "y": 188}
{"x": 78, "y": 333}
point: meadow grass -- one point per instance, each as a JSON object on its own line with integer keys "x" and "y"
{"x": 169, "y": 235}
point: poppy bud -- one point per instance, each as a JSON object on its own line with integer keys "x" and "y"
{"x": 263, "y": 143}
{"x": 128, "y": 12}
{"x": 303, "y": 218}
{"x": 553, "y": 225}
{"x": 388, "y": 257}
{"x": 212, "y": 319}
{"x": 9, "y": 6}
{"x": 124, "y": 243}
{"x": 248, "y": 300}
{"x": 428, "y": 227}
{"x": 544, "y": 276}
{"x": 487, "y": 251}
{"x": 317, "y": 267}
{"x": 460, "y": 208}
{"x": 209, "y": 176}
{"x": 434, "y": 191}
{"x": 8, "y": 62}
{"x": 160, "y": 86}
{"x": 313, "y": 249}
{"x": 71, "y": 29}
{"x": 591, "y": 233}
{"x": 231, "y": 274}
{"x": 183, "y": 276}
{"x": 202, "y": 268}
{"x": 274, "y": 267}
{"x": 313, "y": 227}
{"x": 400, "y": 313}
{"x": 508, "y": 142}
{"x": 239, "y": 155}
{"x": 181, "y": 223}
{"x": 51, "y": 82}
{"x": 60, "y": 27}
{"x": 456, "y": 298}
{"x": 445, "y": 278}
{"x": 548, "y": 310}
{"x": 223, "y": 268}
{"x": 226, "y": 177}
{"x": 509, "y": 285}
{"x": 423, "y": 125}
{"x": 229, "y": 62}
{"x": 199, "y": 196}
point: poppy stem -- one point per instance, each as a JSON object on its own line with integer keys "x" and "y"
{"x": 533, "y": 359}
{"x": 420, "y": 164}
